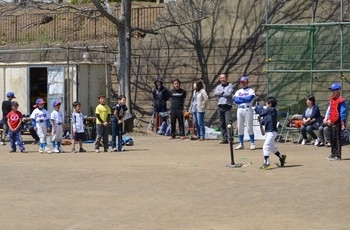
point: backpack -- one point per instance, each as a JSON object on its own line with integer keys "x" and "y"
{"x": 127, "y": 140}
{"x": 344, "y": 137}
{"x": 162, "y": 128}
{"x": 168, "y": 130}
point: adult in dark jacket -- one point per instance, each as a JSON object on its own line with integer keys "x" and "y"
{"x": 311, "y": 120}
{"x": 160, "y": 97}
{"x": 6, "y": 108}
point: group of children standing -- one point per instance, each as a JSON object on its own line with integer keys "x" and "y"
{"x": 53, "y": 123}
{"x": 103, "y": 113}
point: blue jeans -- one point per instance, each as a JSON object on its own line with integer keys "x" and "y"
{"x": 16, "y": 137}
{"x": 117, "y": 131}
{"x": 199, "y": 119}
{"x": 310, "y": 130}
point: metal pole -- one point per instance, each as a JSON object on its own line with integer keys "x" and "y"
{"x": 68, "y": 98}
{"x": 230, "y": 140}
{"x": 341, "y": 44}
{"x": 267, "y": 46}
{"x": 106, "y": 70}
{"x": 307, "y": 71}
{"x": 308, "y": 24}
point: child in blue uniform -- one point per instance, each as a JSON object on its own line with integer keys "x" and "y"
{"x": 117, "y": 123}
{"x": 269, "y": 116}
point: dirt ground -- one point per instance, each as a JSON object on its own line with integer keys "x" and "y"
{"x": 173, "y": 184}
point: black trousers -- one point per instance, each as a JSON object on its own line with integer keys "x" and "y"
{"x": 336, "y": 139}
{"x": 33, "y": 133}
{"x": 225, "y": 116}
{"x": 177, "y": 115}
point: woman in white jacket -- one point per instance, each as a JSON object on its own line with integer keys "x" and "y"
{"x": 201, "y": 98}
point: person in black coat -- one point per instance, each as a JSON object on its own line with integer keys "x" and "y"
{"x": 178, "y": 96}
{"x": 160, "y": 97}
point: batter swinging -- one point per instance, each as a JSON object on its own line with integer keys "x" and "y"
{"x": 243, "y": 98}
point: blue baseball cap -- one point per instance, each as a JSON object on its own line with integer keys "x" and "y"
{"x": 39, "y": 101}
{"x": 244, "y": 79}
{"x": 10, "y": 94}
{"x": 56, "y": 102}
{"x": 335, "y": 86}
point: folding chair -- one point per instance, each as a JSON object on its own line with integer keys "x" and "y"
{"x": 292, "y": 130}
{"x": 281, "y": 124}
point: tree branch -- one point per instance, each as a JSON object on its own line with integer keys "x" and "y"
{"x": 109, "y": 16}
{"x": 155, "y": 31}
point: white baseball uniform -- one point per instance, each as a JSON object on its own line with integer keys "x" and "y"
{"x": 42, "y": 122}
{"x": 243, "y": 98}
{"x": 57, "y": 118}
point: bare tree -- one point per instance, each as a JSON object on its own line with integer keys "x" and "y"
{"x": 123, "y": 25}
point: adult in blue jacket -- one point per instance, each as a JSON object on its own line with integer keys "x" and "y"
{"x": 311, "y": 120}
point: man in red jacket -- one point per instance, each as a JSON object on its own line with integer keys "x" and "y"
{"x": 336, "y": 120}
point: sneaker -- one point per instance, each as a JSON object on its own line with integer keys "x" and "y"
{"x": 334, "y": 158}
{"x": 81, "y": 150}
{"x": 316, "y": 142}
{"x": 47, "y": 150}
{"x": 182, "y": 137}
{"x": 3, "y": 143}
{"x": 201, "y": 139}
{"x": 97, "y": 150}
{"x": 61, "y": 150}
{"x": 321, "y": 144}
{"x": 41, "y": 150}
{"x": 24, "y": 151}
{"x": 114, "y": 150}
{"x": 239, "y": 147}
{"x": 252, "y": 146}
{"x": 330, "y": 157}
{"x": 171, "y": 138}
{"x": 265, "y": 166}
{"x": 283, "y": 160}
{"x": 55, "y": 150}
{"x": 73, "y": 151}
{"x": 303, "y": 142}
{"x": 224, "y": 142}
{"x": 328, "y": 144}
{"x": 35, "y": 142}
{"x": 105, "y": 150}
{"x": 122, "y": 150}
{"x": 12, "y": 151}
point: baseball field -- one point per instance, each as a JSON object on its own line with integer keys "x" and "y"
{"x": 174, "y": 184}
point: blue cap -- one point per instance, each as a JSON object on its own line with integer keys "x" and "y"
{"x": 39, "y": 101}
{"x": 10, "y": 94}
{"x": 244, "y": 79}
{"x": 159, "y": 79}
{"x": 56, "y": 102}
{"x": 335, "y": 86}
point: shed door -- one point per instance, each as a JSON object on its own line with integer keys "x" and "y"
{"x": 55, "y": 87}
